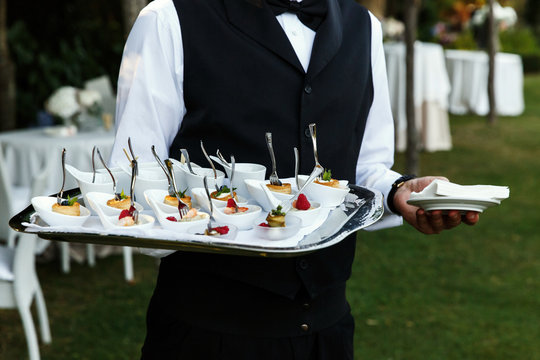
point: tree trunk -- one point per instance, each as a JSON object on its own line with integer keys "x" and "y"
{"x": 412, "y": 154}
{"x": 377, "y": 7}
{"x": 131, "y": 9}
{"x": 7, "y": 76}
{"x": 492, "y": 50}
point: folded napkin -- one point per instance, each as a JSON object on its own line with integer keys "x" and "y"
{"x": 444, "y": 188}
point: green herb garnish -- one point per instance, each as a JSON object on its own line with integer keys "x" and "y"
{"x": 72, "y": 200}
{"x": 182, "y": 194}
{"x": 123, "y": 195}
{"x": 277, "y": 211}
{"x": 327, "y": 176}
{"x": 223, "y": 190}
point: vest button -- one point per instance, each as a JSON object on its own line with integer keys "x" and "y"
{"x": 306, "y": 306}
{"x": 304, "y": 327}
{"x": 307, "y": 133}
{"x": 308, "y": 89}
{"x": 303, "y": 264}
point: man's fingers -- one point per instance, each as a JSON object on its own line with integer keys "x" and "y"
{"x": 471, "y": 218}
{"x": 436, "y": 220}
{"x": 422, "y": 222}
{"x": 453, "y": 219}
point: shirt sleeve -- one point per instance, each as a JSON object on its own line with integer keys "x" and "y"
{"x": 150, "y": 101}
{"x": 373, "y": 168}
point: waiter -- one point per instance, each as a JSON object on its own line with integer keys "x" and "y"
{"x": 226, "y": 72}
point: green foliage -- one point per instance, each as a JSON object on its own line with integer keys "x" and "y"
{"x": 82, "y": 40}
{"x": 519, "y": 41}
{"x": 464, "y": 41}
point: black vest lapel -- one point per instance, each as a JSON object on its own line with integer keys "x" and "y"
{"x": 327, "y": 40}
{"x": 255, "y": 19}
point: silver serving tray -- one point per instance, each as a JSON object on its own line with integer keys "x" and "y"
{"x": 362, "y": 207}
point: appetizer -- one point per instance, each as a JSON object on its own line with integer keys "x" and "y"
{"x": 301, "y": 203}
{"x": 218, "y": 230}
{"x": 327, "y": 179}
{"x": 191, "y": 215}
{"x": 124, "y": 203}
{"x": 126, "y": 217}
{"x": 68, "y": 207}
{"x": 224, "y": 194}
{"x": 173, "y": 201}
{"x": 285, "y": 188}
{"x": 233, "y": 208}
{"x": 276, "y": 218}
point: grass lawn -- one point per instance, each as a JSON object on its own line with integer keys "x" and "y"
{"x": 472, "y": 293}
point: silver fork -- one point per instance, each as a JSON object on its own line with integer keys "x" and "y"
{"x": 296, "y": 166}
{"x": 222, "y": 158}
{"x": 134, "y": 173}
{"x": 93, "y": 165}
{"x": 59, "y": 196}
{"x": 117, "y": 196}
{"x": 186, "y": 156}
{"x": 183, "y": 208}
{"x": 211, "y": 164}
{"x": 274, "y": 179}
{"x": 211, "y": 218}
{"x": 171, "y": 187}
{"x": 313, "y": 132}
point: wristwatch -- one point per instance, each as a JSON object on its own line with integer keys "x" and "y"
{"x": 396, "y": 185}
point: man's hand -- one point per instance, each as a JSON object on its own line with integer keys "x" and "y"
{"x": 432, "y": 222}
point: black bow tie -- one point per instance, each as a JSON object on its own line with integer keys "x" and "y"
{"x": 310, "y": 12}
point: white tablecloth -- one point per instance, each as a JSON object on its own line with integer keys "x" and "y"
{"x": 432, "y": 88}
{"x": 26, "y": 152}
{"x": 468, "y": 71}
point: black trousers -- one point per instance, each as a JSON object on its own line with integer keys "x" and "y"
{"x": 188, "y": 342}
{"x": 236, "y": 321}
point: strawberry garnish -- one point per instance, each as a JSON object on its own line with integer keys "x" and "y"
{"x": 123, "y": 214}
{"x": 302, "y": 202}
{"x": 222, "y": 230}
{"x": 171, "y": 218}
{"x": 263, "y": 224}
{"x": 231, "y": 203}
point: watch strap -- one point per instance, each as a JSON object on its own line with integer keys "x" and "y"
{"x": 395, "y": 186}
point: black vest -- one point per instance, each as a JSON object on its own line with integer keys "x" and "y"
{"x": 241, "y": 79}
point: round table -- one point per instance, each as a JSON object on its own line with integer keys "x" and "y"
{"x": 28, "y": 151}
{"x": 431, "y": 91}
{"x": 468, "y": 71}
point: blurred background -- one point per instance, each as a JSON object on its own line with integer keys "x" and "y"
{"x": 472, "y": 293}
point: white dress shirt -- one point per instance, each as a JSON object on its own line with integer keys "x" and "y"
{"x": 150, "y": 102}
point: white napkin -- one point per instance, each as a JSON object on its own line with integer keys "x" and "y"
{"x": 447, "y": 189}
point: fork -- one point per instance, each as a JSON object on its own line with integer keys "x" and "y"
{"x": 186, "y": 156}
{"x": 313, "y": 133}
{"x": 93, "y": 165}
{"x": 211, "y": 164}
{"x": 117, "y": 196}
{"x": 171, "y": 187}
{"x": 134, "y": 173}
{"x": 296, "y": 166}
{"x": 183, "y": 208}
{"x": 211, "y": 218}
{"x": 274, "y": 179}
{"x": 59, "y": 199}
{"x": 222, "y": 158}
{"x": 233, "y": 162}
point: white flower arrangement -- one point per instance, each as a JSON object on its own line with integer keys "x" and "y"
{"x": 392, "y": 29}
{"x": 505, "y": 16}
{"x": 69, "y": 103}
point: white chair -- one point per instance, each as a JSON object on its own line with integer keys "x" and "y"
{"x": 19, "y": 285}
{"x": 12, "y": 200}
